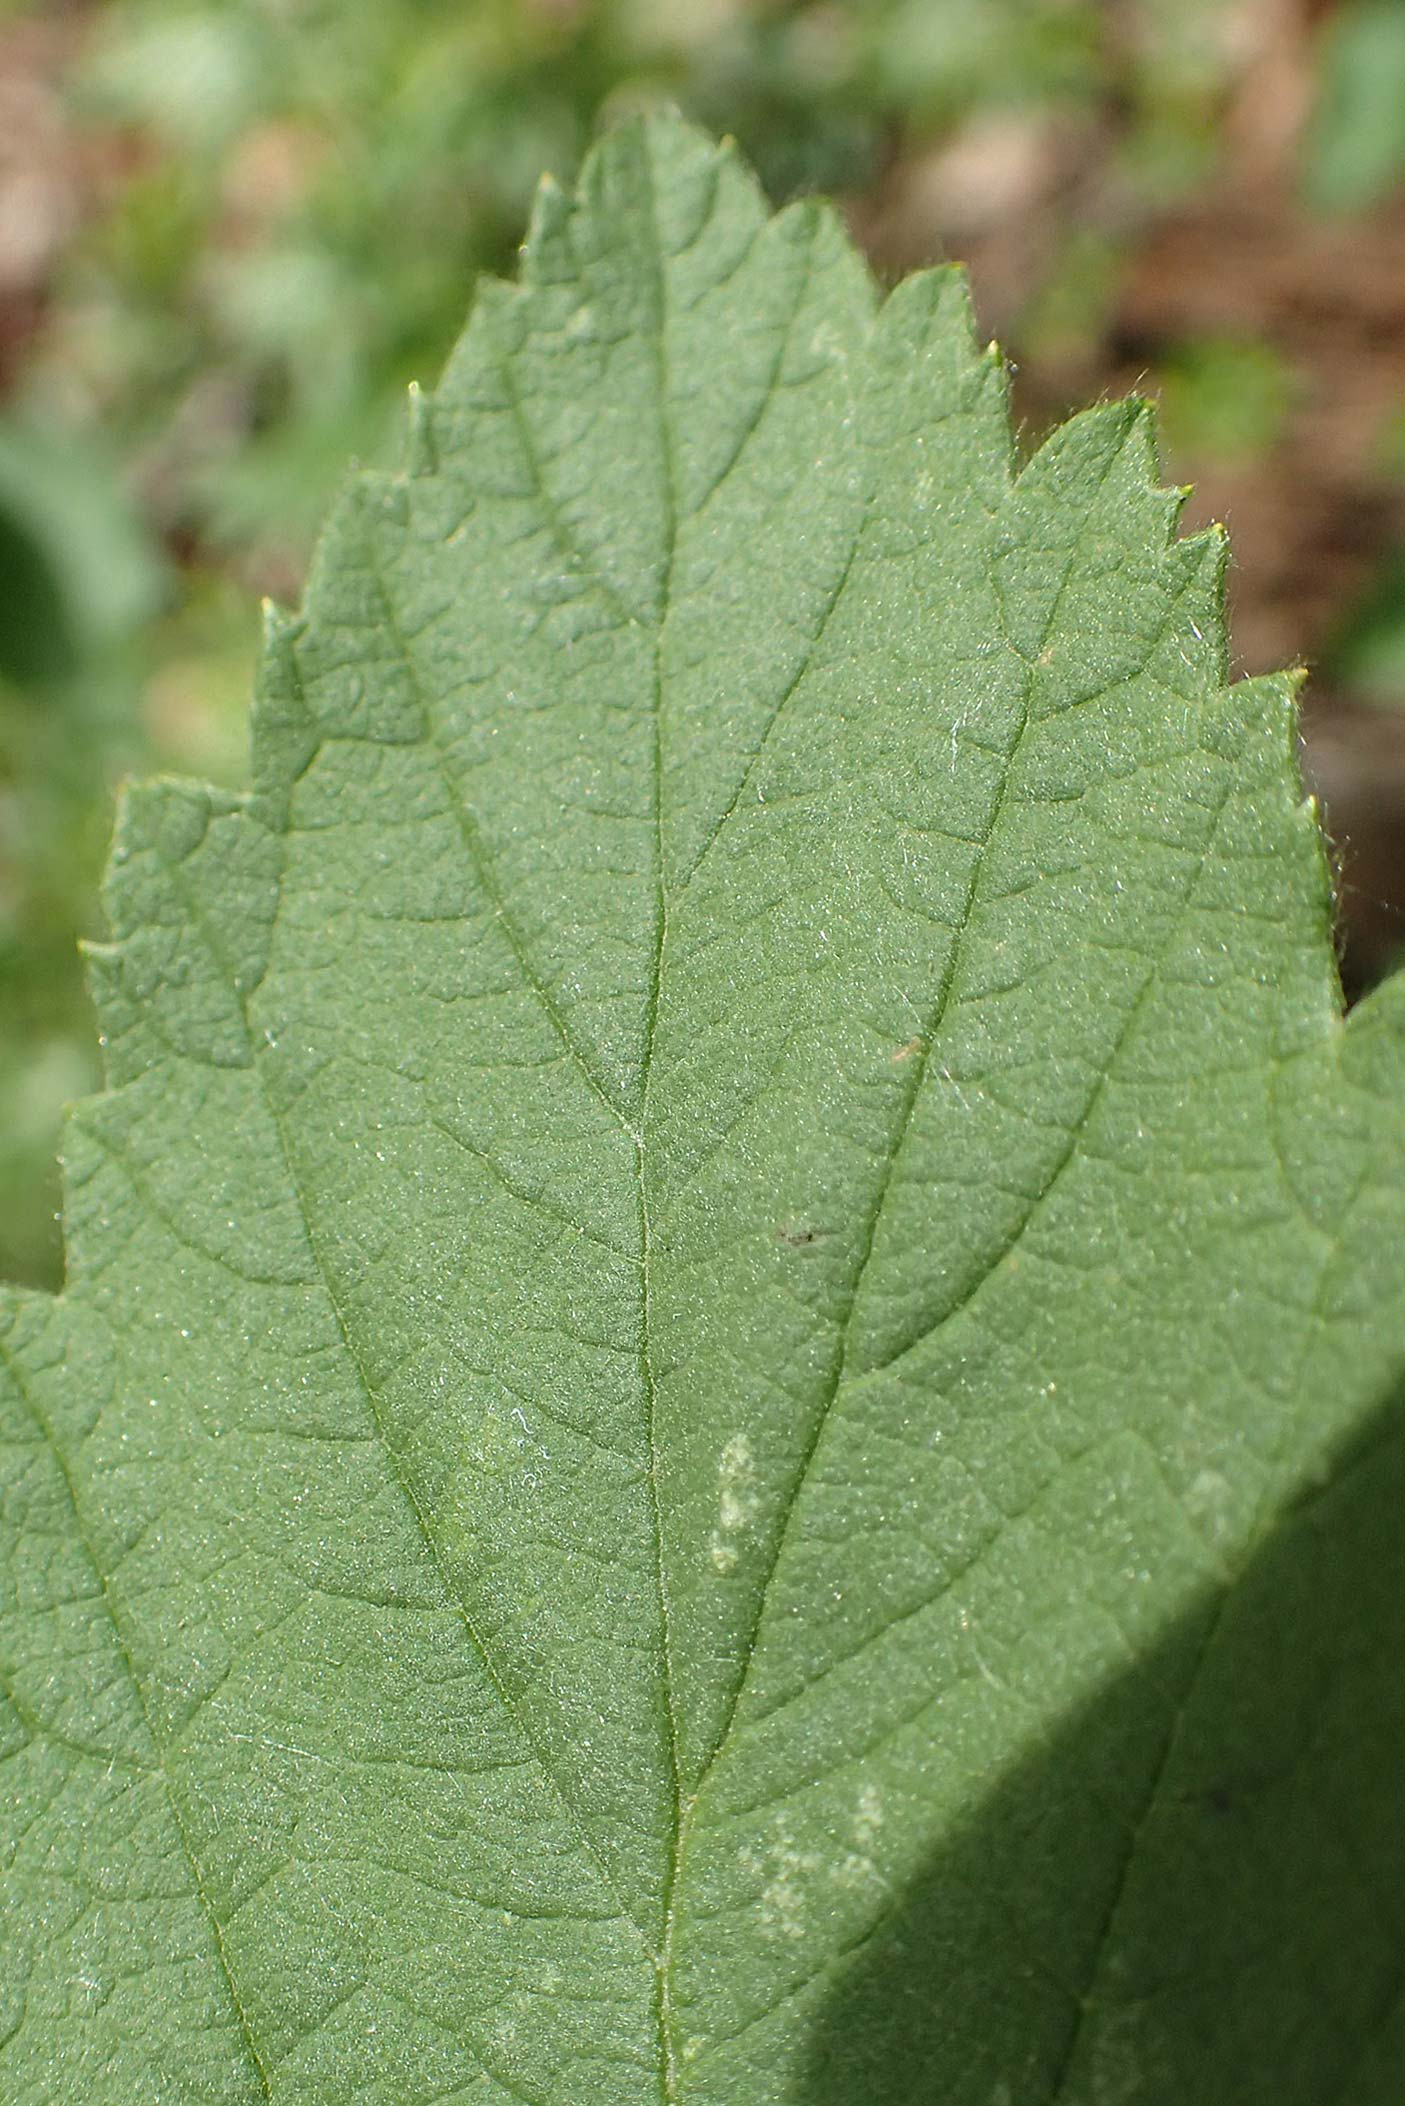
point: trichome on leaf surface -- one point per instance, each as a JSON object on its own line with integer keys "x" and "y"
{"x": 726, "y": 1421}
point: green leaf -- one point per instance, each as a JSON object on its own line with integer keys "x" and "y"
{"x": 1354, "y": 144}
{"x": 724, "y": 1426}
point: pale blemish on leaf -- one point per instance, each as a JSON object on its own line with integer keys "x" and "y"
{"x": 858, "y": 1867}
{"x": 736, "y": 1501}
{"x": 787, "y": 1874}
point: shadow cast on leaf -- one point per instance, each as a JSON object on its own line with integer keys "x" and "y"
{"x": 1195, "y": 1894}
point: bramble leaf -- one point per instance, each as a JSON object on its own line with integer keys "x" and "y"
{"x": 725, "y": 1423}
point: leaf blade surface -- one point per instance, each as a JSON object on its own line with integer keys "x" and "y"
{"x": 736, "y": 1184}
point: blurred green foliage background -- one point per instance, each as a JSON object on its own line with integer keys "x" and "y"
{"x": 231, "y": 231}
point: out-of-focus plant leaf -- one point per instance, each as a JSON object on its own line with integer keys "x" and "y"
{"x": 1368, "y": 653}
{"x": 78, "y": 573}
{"x": 1225, "y": 400}
{"x": 1355, "y": 150}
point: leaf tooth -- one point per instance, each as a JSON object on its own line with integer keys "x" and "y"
{"x": 284, "y": 735}
{"x": 546, "y": 240}
{"x": 103, "y": 965}
{"x": 421, "y": 451}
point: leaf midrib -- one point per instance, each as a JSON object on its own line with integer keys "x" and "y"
{"x": 668, "y": 2049}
